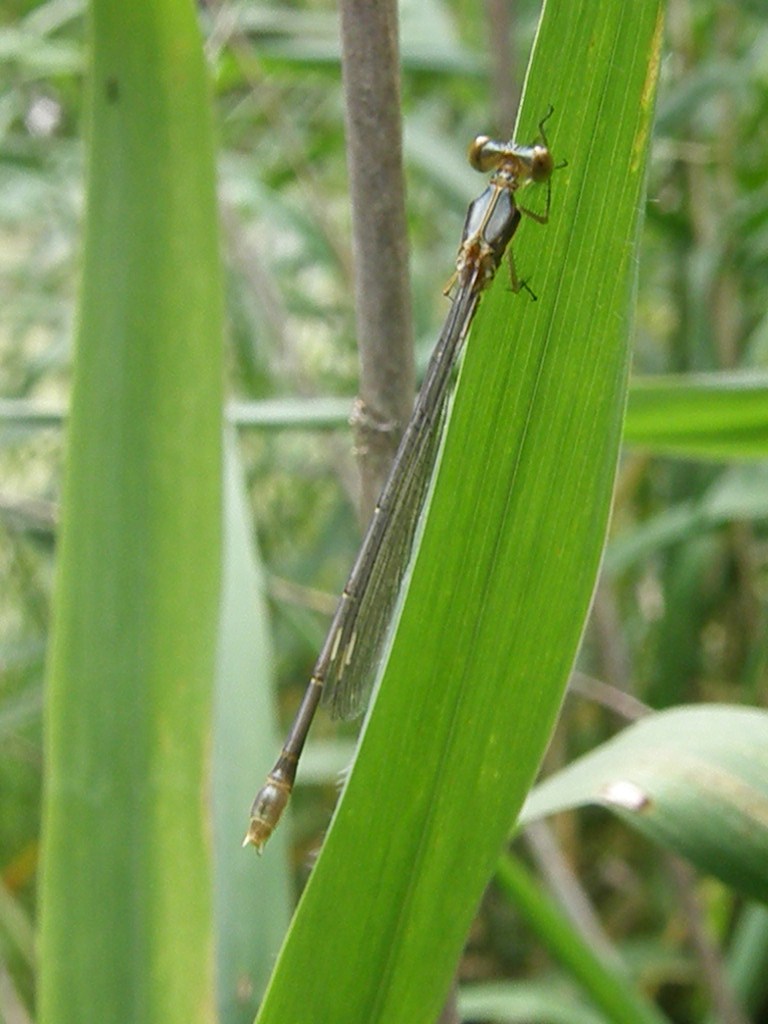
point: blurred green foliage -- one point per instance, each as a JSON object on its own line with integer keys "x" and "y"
{"x": 680, "y": 613}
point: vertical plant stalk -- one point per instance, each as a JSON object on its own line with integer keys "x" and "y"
{"x": 502, "y": 19}
{"x": 611, "y": 991}
{"x": 370, "y": 67}
{"x": 126, "y": 915}
{"x": 371, "y": 75}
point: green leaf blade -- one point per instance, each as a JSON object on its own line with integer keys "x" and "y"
{"x": 717, "y": 416}
{"x": 503, "y": 578}
{"x": 692, "y": 779}
{"x": 126, "y": 908}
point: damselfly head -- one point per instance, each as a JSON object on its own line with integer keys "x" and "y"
{"x": 522, "y": 163}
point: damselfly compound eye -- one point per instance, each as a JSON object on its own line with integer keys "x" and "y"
{"x": 483, "y": 154}
{"x": 542, "y": 164}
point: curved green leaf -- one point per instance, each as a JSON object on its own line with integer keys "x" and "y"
{"x": 694, "y": 780}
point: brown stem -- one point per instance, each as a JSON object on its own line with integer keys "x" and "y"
{"x": 505, "y": 93}
{"x": 370, "y": 68}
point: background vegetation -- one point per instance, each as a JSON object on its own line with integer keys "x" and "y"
{"x": 679, "y": 616}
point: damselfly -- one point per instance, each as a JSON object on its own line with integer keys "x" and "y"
{"x": 347, "y": 662}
